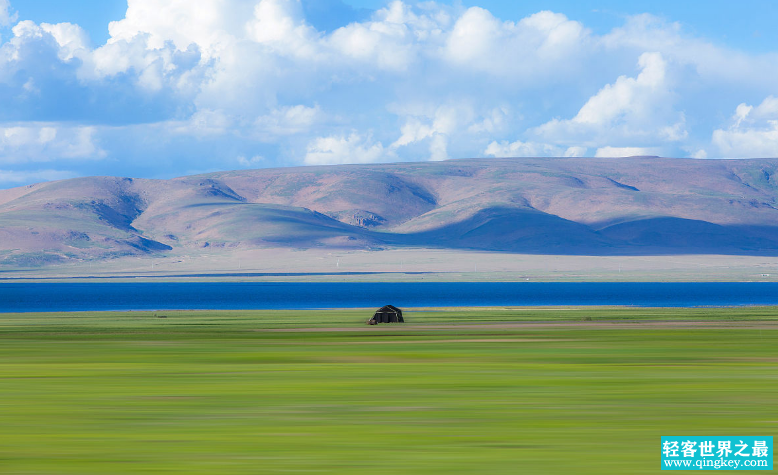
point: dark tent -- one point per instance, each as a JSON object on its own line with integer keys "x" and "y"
{"x": 387, "y": 314}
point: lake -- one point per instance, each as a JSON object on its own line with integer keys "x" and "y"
{"x": 68, "y": 297}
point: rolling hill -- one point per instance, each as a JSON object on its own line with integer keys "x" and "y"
{"x": 581, "y": 206}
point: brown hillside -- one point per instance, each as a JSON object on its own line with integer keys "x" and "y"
{"x": 592, "y": 206}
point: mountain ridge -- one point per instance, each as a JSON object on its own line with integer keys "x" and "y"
{"x": 580, "y": 206}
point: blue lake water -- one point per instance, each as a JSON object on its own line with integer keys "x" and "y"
{"x": 60, "y": 297}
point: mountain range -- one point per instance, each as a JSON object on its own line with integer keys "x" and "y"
{"x": 575, "y": 206}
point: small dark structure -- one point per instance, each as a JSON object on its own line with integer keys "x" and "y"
{"x": 387, "y": 314}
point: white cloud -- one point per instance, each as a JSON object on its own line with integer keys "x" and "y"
{"x": 443, "y": 124}
{"x": 345, "y": 149}
{"x": 753, "y": 133}
{"x": 253, "y": 162}
{"x": 493, "y": 121}
{"x": 279, "y": 24}
{"x": 627, "y": 95}
{"x": 275, "y": 21}
{"x": 531, "y": 149}
{"x": 414, "y": 130}
{"x": 619, "y": 152}
{"x": 205, "y": 122}
{"x": 71, "y": 39}
{"x": 768, "y": 109}
{"x": 473, "y": 37}
{"x": 575, "y": 152}
{"x": 153, "y": 68}
{"x": 276, "y": 124}
{"x": 216, "y": 27}
{"x": 741, "y": 112}
{"x": 209, "y": 24}
{"x": 26, "y": 60}
{"x": 675, "y": 132}
{"x": 711, "y": 62}
{"x": 6, "y": 17}
{"x": 46, "y": 142}
{"x": 289, "y": 120}
{"x": 534, "y": 46}
{"x": 526, "y": 149}
{"x": 393, "y": 40}
{"x": 431, "y": 80}
{"x": 446, "y": 119}
{"x": 629, "y": 110}
{"x": 439, "y": 147}
{"x": 372, "y": 44}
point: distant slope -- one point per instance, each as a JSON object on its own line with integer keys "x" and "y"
{"x": 532, "y": 205}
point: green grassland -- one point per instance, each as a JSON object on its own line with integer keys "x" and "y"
{"x": 546, "y": 390}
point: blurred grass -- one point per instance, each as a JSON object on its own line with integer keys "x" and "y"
{"x": 586, "y": 390}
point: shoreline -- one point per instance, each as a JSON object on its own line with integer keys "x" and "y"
{"x": 406, "y": 265}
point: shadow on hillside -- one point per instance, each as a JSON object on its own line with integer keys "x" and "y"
{"x": 529, "y": 231}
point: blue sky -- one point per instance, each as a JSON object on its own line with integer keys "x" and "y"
{"x": 155, "y": 88}
{"x": 749, "y": 25}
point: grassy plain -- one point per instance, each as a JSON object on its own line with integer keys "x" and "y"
{"x": 483, "y": 390}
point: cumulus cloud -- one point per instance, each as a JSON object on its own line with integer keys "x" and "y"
{"x": 49, "y": 72}
{"x": 531, "y": 149}
{"x": 70, "y": 40}
{"x": 205, "y": 122}
{"x": 575, "y": 151}
{"x": 618, "y": 152}
{"x": 248, "y": 78}
{"x": 627, "y": 95}
{"x": 437, "y": 124}
{"x": 493, "y": 121}
{"x": 396, "y": 38}
{"x": 629, "y": 110}
{"x": 440, "y": 125}
{"x": 532, "y": 46}
{"x": 711, "y": 61}
{"x": 338, "y": 149}
{"x": 270, "y": 127}
{"x": 280, "y": 25}
{"x": 753, "y": 133}
{"x": 288, "y": 120}
{"x": 47, "y": 142}
{"x": 73, "y": 40}
{"x": 6, "y": 15}
{"x": 253, "y": 162}
{"x": 208, "y": 24}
